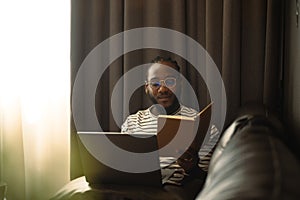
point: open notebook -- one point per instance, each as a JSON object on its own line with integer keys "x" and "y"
{"x": 176, "y": 133}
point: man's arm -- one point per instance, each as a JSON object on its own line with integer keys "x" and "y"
{"x": 124, "y": 127}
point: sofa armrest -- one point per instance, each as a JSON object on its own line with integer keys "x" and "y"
{"x": 251, "y": 161}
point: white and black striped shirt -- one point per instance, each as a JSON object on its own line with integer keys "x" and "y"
{"x": 145, "y": 122}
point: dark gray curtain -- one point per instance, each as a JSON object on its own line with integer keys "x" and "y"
{"x": 244, "y": 38}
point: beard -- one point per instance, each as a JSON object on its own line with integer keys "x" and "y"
{"x": 172, "y": 109}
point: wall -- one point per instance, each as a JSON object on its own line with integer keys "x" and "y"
{"x": 291, "y": 70}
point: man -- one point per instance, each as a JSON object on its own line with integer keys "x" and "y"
{"x": 163, "y": 87}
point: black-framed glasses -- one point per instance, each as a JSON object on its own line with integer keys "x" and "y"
{"x": 168, "y": 82}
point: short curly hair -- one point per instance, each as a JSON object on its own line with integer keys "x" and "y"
{"x": 160, "y": 59}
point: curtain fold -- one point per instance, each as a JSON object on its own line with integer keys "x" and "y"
{"x": 231, "y": 53}
{"x": 273, "y": 55}
{"x": 34, "y": 151}
{"x": 12, "y": 157}
{"x": 242, "y": 37}
{"x": 254, "y": 22}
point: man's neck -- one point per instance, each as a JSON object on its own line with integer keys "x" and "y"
{"x": 160, "y": 110}
{"x": 173, "y": 109}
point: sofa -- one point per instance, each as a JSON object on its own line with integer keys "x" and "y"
{"x": 254, "y": 159}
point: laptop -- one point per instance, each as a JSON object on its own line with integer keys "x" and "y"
{"x": 118, "y": 158}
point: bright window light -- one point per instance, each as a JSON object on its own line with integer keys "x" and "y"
{"x": 35, "y": 93}
{"x": 34, "y": 53}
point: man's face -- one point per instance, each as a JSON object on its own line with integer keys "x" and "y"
{"x": 162, "y": 83}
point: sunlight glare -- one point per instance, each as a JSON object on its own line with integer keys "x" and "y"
{"x": 35, "y": 63}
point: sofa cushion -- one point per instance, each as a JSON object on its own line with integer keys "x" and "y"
{"x": 252, "y": 162}
{"x": 79, "y": 189}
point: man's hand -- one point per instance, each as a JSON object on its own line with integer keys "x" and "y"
{"x": 189, "y": 160}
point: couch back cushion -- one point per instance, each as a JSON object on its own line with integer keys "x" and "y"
{"x": 252, "y": 162}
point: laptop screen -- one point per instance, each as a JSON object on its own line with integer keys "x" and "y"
{"x": 118, "y": 158}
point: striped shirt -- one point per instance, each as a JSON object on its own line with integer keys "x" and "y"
{"x": 145, "y": 122}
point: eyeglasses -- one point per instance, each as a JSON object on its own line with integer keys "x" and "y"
{"x": 168, "y": 82}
